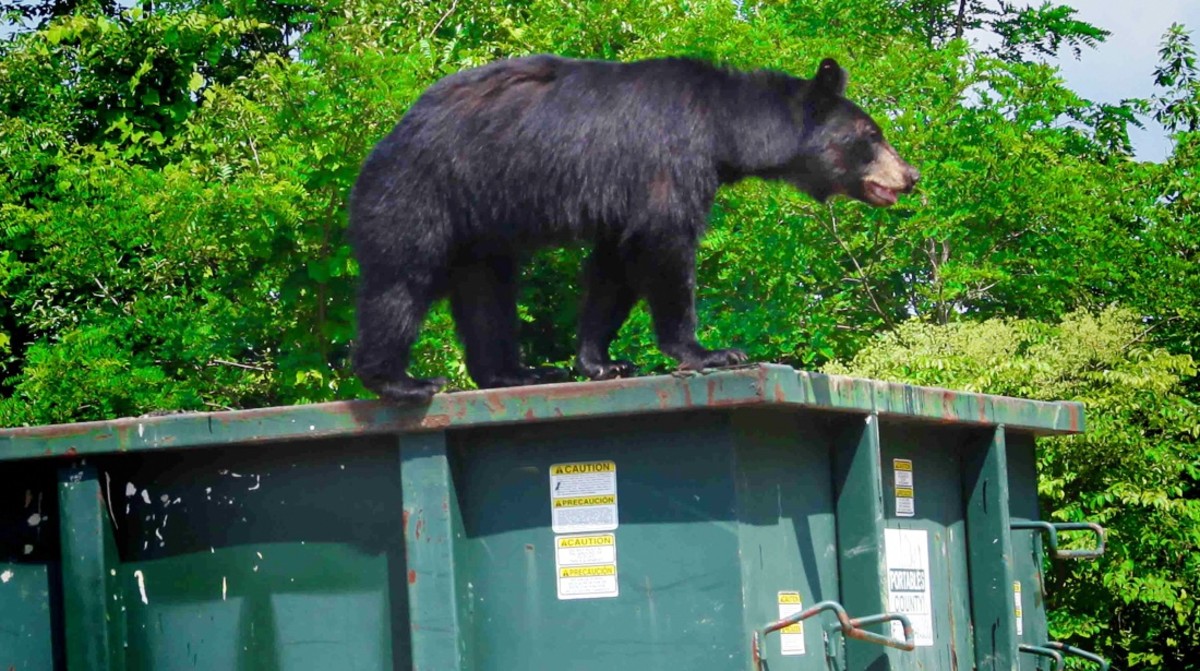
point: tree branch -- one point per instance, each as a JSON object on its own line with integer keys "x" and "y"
{"x": 235, "y": 364}
{"x": 862, "y": 277}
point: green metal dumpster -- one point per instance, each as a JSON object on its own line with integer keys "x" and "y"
{"x": 756, "y": 518}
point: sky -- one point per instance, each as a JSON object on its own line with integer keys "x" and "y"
{"x": 1123, "y": 66}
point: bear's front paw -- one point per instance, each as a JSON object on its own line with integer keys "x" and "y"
{"x": 408, "y": 391}
{"x": 717, "y": 358}
{"x": 608, "y": 370}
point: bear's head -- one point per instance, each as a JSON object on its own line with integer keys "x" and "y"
{"x": 843, "y": 150}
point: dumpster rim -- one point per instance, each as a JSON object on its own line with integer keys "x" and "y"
{"x": 757, "y": 385}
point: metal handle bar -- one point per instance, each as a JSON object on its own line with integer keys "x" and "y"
{"x": 1054, "y": 655}
{"x": 1072, "y": 650}
{"x": 850, "y": 628}
{"x": 1052, "y": 529}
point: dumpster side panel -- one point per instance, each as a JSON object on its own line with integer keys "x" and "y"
{"x": 30, "y": 599}
{"x": 91, "y": 604}
{"x": 786, "y": 529}
{"x": 438, "y": 583}
{"x": 1027, "y": 547}
{"x": 276, "y": 558}
{"x": 936, "y": 529}
{"x": 861, "y": 518}
{"x": 676, "y": 547}
{"x": 985, "y": 487}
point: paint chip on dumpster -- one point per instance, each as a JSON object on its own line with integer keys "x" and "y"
{"x": 141, "y": 581}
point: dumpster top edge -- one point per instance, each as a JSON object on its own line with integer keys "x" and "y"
{"x": 760, "y": 385}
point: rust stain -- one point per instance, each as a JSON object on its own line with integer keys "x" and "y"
{"x": 404, "y": 520}
{"x": 71, "y": 451}
{"x": 982, "y": 403}
{"x": 436, "y": 421}
{"x": 530, "y": 415}
{"x": 664, "y": 399}
{"x": 711, "y": 386}
{"x": 558, "y": 412}
{"x": 417, "y": 529}
{"x": 731, "y": 402}
{"x": 687, "y": 395}
{"x": 55, "y": 430}
{"x": 780, "y": 397}
{"x": 494, "y": 402}
{"x": 412, "y": 577}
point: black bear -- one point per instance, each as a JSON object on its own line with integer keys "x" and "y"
{"x": 493, "y": 162}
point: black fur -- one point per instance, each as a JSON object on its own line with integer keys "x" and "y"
{"x": 519, "y": 154}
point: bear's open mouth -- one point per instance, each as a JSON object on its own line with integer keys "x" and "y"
{"x": 878, "y": 194}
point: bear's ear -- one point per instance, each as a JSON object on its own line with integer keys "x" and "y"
{"x": 831, "y": 78}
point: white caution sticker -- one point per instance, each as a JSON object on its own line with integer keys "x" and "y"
{"x": 585, "y": 567}
{"x": 908, "y": 582}
{"x": 583, "y": 497}
{"x": 791, "y": 637}
{"x": 902, "y": 470}
{"x": 1017, "y": 604}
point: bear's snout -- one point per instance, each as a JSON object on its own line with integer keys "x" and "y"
{"x": 887, "y": 176}
{"x": 913, "y": 176}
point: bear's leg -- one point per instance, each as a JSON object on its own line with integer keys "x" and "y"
{"x": 607, "y": 299}
{"x": 666, "y": 274}
{"x": 483, "y": 300}
{"x": 389, "y": 318}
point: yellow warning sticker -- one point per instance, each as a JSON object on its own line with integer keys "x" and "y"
{"x": 586, "y": 566}
{"x": 583, "y": 497}
{"x": 587, "y": 571}
{"x": 902, "y": 480}
{"x": 586, "y": 467}
{"x": 791, "y": 637}
{"x": 585, "y": 541}
{"x": 578, "y": 501}
{"x": 1017, "y": 604}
